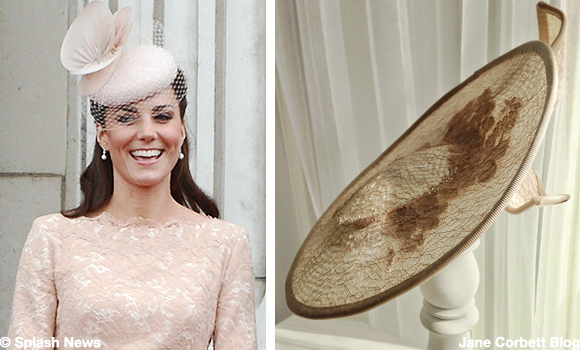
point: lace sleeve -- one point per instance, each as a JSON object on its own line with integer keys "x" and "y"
{"x": 34, "y": 306}
{"x": 235, "y": 326}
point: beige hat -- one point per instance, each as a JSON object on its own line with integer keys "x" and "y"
{"x": 94, "y": 47}
{"x": 436, "y": 190}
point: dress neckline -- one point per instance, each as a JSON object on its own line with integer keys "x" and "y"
{"x": 109, "y": 219}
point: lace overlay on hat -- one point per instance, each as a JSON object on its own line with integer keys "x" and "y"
{"x": 136, "y": 284}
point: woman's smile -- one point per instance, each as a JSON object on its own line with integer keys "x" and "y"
{"x": 146, "y": 156}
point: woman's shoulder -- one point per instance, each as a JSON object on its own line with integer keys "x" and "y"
{"x": 56, "y": 224}
{"x": 187, "y": 216}
{"x": 226, "y": 226}
{"x": 49, "y": 227}
{"x": 216, "y": 227}
{"x": 50, "y": 222}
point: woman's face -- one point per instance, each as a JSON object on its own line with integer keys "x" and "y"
{"x": 146, "y": 146}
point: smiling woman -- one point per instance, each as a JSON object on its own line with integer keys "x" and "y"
{"x": 143, "y": 261}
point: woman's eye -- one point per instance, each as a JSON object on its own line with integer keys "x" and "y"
{"x": 163, "y": 116}
{"x": 126, "y": 119}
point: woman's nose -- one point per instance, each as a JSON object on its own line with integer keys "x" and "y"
{"x": 146, "y": 129}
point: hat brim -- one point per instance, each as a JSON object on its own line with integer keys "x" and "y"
{"x": 363, "y": 252}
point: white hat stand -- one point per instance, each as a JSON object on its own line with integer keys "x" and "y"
{"x": 449, "y": 311}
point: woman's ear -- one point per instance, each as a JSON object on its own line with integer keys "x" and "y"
{"x": 102, "y": 138}
{"x": 183, "y": 133}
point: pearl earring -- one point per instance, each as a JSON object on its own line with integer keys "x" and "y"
{"x": 181, "y": 155}
{"x": 104, "y": 155}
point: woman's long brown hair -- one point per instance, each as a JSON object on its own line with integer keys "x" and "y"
{"x": 97, "y": 183}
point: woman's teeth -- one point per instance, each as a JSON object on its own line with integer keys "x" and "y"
{"x": 149, "y": 153}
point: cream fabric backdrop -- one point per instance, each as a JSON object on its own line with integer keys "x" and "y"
{"x": 352, "y": 76}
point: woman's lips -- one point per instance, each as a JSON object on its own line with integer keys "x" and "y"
{"x": 146, "y": 156}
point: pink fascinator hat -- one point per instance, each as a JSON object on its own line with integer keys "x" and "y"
{"x": 112, "y": 73}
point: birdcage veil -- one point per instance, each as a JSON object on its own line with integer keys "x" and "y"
{"x": 117, "y": 76}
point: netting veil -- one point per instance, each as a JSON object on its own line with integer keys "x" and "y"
{"x": 119, "y": 80}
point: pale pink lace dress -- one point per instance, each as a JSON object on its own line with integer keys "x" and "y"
{"x": 136, "y": 284}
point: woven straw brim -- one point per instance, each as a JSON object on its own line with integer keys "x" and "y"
{"x": 432, "y": 193}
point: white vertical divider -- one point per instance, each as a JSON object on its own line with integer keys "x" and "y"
{"x": 240, "y": 127}
{"x": 88, "y": 123}
{"x": 76, "y": 138}
{"x": 245, "y": 124}
{"x": 82, "y": 3}
{"x": 90, "y": 130}
{"x": 137, "y": 17}
{"x": 146, "y": 27}
{"x": 181, "y": 33}
{"x": 206, "y": 99}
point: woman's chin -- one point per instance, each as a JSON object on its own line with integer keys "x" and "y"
{"x": 146, "y": 180}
